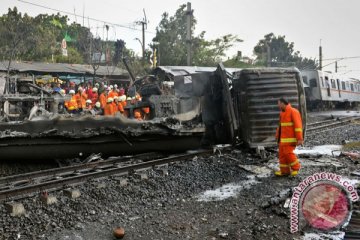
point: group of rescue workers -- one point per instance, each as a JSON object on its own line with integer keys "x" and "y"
{"x": 101, "y": 99}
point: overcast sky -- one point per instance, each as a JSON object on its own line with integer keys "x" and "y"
{"x": 304, "y": 22}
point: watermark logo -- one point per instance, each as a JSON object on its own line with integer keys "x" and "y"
{"x": 323, "y": 201}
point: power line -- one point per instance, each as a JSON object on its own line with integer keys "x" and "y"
{"x": 89, "y": 18}
{"x": 339, "y": 58}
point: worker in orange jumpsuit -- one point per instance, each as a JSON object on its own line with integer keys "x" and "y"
{"x": 71, "y": 105}
{"x": 94, "y": 97}
{"x": 109, "y": 109}
{"x": 103, "y": 98}
{"x": 288, "y": 135}
{"x": 112, "y": 92}
{"x": 118, "y": 105}
{"x": 81, "y": 98}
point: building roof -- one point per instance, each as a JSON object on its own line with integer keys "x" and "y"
{"x": 78, "y": 69}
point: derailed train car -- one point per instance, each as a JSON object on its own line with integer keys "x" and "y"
{"x": 199, "y": 106}
{"x": 240, "y": 105}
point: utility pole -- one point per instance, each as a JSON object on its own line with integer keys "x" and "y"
{"x": 143, "y": 24}
{"x": 268, "y": 54}
{"x": 188, "y": 32}
{"x": 336, "y": 67}
{"x": 320, "y": 56}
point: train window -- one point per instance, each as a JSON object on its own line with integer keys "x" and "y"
{"x": 322, "y": 82}
{"x": 352, "y": 87}
{"x": 313, "y": 83}
{"x": 305, "y": 80}
{"x": 327, "y": 82}
{"x": 333, "y": 85}
{"x": 343, "y": 85}
{"x": 347, "y": 85}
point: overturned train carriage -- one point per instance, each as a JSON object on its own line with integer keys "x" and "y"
{"x": 198, "y": 106}
{"x": 255, "y": 94}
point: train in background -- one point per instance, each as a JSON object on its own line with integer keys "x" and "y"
{"x": 326, "y": 90}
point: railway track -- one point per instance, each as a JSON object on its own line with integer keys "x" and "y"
{"x": 329, "y": 124}
{"x": 18, "y": 186}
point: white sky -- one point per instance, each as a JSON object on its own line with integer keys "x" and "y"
{"x": 303, "y": 22}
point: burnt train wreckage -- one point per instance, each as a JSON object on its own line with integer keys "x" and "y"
{"x": 198, "y": 106}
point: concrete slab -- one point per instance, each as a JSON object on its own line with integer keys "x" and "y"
{"x": 72, "y": 193}
{"x": 15, "y": 209}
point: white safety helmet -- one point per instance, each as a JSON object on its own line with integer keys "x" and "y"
{"x": 96, "y": 84}
{"x": 80, "y": 89}
{"x": 122, "y": 98}
{"x": 109, "y": 100}
{"x": 88, "y": 101}
{"x": 129, "y": 99}
{"x": 98, "y": 104}
{"x": 115, "y": 86}
{"x": 94, "y": 89}
{"x": 111, "y": 86}
{"x": 116, "y": 98}
{"x": 72, "y": 91}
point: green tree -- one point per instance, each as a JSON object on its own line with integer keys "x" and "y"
{"x": 73, "y": 56}
{"x": 171, "y": 42}
{"x": 276, "y": 51}
{"x": 18, "y": 37}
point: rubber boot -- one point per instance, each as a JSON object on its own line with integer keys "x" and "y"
{"x": 281, "y": 174}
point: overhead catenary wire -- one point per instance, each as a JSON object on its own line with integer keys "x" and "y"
{"x": 89, "y": 18}
{"x": 340, "y": 58}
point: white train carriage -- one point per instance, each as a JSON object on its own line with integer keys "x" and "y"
{"x": 327, "y": 90}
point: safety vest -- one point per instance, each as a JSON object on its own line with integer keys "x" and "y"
{"x": 72, "y": 104}
{"x": 290, "y": 127}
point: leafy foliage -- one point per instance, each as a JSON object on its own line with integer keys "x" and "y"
{"x": 171, "y": 38}
{"x": 18, "y": 35}
{"x": 282, "y": 53}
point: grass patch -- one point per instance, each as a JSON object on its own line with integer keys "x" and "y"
{"x": 351, "y": 145}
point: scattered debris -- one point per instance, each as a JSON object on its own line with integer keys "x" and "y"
{"x": 93, "y": 157}
{"x": 277, "y": 199}
{"x": 351, "y": 155}
{"x": 318, "y": 150}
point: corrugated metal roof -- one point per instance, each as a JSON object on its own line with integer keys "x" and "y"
{"x": 62, "y": 68}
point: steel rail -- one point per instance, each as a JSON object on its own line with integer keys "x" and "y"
{"x": 334, "y": 124}
{"x": 55, "y": 182}
{"x": 66, "y": 169}
{"x": 328, "y": 121}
